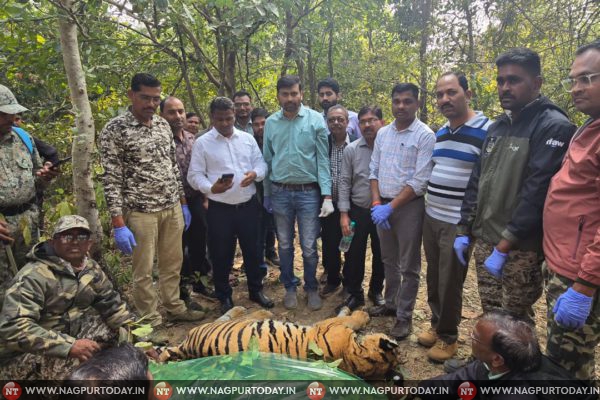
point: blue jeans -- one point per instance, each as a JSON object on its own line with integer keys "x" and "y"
{"x": 289, "y": 205}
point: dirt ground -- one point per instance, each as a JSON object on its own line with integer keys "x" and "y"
{"x": 414, "y": 361}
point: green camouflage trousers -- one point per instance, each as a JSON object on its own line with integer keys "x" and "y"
{"x": 19, "y": 247}
{"x": 37, "y": 366}
{"x": 519, "y": 288}
{"x": 573, "y": 349}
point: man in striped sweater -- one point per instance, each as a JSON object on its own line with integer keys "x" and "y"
{"x": 457, "y": 148}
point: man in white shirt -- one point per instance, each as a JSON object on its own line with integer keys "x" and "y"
{"x": 225, "y": 164}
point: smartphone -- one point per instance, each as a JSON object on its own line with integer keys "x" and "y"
{"x": 226, "y": 177}
{"x": 60, "y": 162}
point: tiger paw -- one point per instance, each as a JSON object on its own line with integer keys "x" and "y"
{"x": 361, "y": 316}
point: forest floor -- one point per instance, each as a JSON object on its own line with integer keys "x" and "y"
{"x": 414, "y": 361}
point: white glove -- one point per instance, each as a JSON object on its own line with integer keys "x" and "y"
{"x": 326, "y": 208}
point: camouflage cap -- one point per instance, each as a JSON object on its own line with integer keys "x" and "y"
{"x": 8, "y": 102}
{"x": 69, "y": 222}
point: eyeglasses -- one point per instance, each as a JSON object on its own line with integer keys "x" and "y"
{"x": 475, "y": 339}
{"x": 336, "y": 119}
{"x": 584, "y": 81}
{"x": 369, "y": 121}
{"x": 68, "y": 238}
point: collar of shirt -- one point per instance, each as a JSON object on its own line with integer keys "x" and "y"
{"x": 474, "y": 122}
{"x": 411, "y": 128}
{"x": 214, "y": 133}
{"x": 130, "y": 119}
{"x": 186, "y": 136}
{"x": 346, "y": 141}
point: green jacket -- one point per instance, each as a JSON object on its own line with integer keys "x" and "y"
{"x": 43, "y": 308}
{"x": 505, "y": 195}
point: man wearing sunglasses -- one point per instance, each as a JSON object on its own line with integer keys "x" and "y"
{"x": 572, "y": 229}
{"x": 61, "y": 307}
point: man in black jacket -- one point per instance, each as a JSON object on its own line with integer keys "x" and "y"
{"x": 501, "y": 215}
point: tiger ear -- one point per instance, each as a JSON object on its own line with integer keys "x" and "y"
{"x": 387, "y": 344}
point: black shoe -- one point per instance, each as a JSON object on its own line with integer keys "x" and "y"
{"x": 184, "y": 293}
{"x": 352, "y": 302}
{"x": 204, "y": 292}
{"x": 329, "y": 289}
{"x": 262, "y": 299}
{"x": 401, "y": 330}
{"x": 376, "y": 298}
{"x": 226, "y": 305}
{"x": 274, "y": 260}
{"x": 381, "y": 311}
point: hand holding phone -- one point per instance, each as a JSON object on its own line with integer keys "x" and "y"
{"x": 224, "y": 183}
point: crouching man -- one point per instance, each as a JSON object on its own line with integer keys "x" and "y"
{"x": 59, "y": 309}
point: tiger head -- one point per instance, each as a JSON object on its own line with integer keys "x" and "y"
{"x": 372, "y": 357}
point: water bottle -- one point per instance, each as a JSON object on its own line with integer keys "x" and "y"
{"x": 347, "y": 240}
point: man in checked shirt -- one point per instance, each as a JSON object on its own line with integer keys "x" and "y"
{"x": 400, "y": 168}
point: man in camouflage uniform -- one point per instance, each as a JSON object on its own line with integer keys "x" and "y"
{"x": 572, "y": 229}
{"x": 21, "y": 170}
{"x": 48, "y": 312}
{"x": 145, "y": 197}
{"x": 502, "y": 208}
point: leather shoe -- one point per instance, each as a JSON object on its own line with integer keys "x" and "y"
{"x": 352, "y": 302}
{"x": 376, "y": 298}
{"x": 381, "y": 311}
{"x": 226, "y": 305}
{"x": 401, "y": 330}
{"x": 262, "y": 299}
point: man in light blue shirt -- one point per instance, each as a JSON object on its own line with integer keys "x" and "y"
{"x": 400, "y": 168}
{"x": 296, "y": 151}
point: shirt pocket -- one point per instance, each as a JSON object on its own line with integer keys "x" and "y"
{"x": 24, "y": 161}
{"x": 407, "y": 155}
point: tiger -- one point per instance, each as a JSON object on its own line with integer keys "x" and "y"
{"x": 372, "y": 357}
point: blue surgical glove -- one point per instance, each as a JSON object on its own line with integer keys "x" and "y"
{"x": 461, "y": 246}
{"x": 267, "y": 204}
{"x": 381, "y": 213}
{"x": 572, "y": 309}
{"x": 495, "y": 262}
{"x": 385, "y": 225}
{"x": 124, "y": 239}
{"x": 187, "y": 216}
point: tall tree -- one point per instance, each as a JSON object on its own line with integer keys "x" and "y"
{"x": 83, "y": 143}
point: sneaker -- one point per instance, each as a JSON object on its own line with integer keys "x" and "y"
{"x": 427, "y": 338}
{"x": 290, "y": 300}
{"x": 376, "y": 298}
{"x": 314, "y": 300}
{"x": 401, "y": 330}
{"x": 187, "y": 315}
{"x": 329, "y": 289}
{"x": 442, "y": 351}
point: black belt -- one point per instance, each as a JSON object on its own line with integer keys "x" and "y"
{"x": 19, "y": 209}
{"x": 297, "y": 187}
{"x": 235, "y": 206}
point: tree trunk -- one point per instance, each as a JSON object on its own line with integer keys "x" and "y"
{"x": 330, "y": 49}
{"x": 426, "y": 14}
{"x": 289, "y": 42}
{"x": 310, "y": 67}
{"x": 83, "y": 141}
{"x": 471, "y": 49}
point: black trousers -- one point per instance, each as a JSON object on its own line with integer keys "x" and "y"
{"x": 194, "y": 242}
{"x": 354, "y": 266}
{"x": 225, "y": 223}
{"x": 266, "y": 236}
{"x": 331, "y": 234}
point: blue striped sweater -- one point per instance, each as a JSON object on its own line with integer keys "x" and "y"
{"x": 454, "y": 156}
